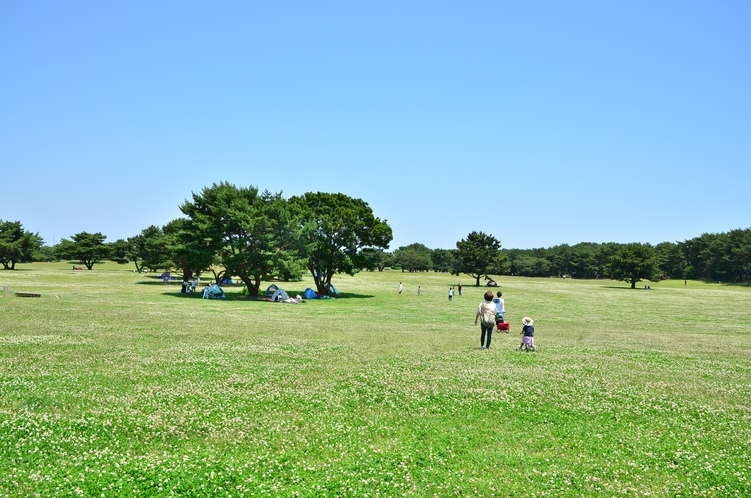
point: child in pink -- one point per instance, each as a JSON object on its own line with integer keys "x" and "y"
{"x": 528, "y": 335}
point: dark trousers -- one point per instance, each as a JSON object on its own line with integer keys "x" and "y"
{"x": 489, "y": 332}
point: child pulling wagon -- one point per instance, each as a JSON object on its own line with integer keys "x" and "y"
{"x": 500, "y": 310}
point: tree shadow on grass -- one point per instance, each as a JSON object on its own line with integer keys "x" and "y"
{"x": 227, "y": 297}
{"x": 238, "y": 297}
{"x": 352, "y": 295}
{"x": 624, "y": 288}
{"x": 727, "y": 284}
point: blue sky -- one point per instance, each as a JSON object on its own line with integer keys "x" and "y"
{"x": 538, "y": 122}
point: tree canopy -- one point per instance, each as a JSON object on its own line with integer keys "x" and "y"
{"x": 414, "y": 257}
{"x": 444, "y": 260}
{"x": 86, "y": 248}
{"x": 335, "y": 231}
{"x": 479, "y": 256}
{"x": 252, "y": 233}
{"x": 16, "y": 244}
{"x": 635, "y": 262}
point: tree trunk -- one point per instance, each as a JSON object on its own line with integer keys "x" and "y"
{"x": 320, "y": 281}
{"x": 252, "y": 289}
{"x": 633, "y": 284}
{"x": 218, "y": 276}
{"x": 477, "y": 281}
{"x": 321, "y": 287}
{"x": 256, "y": 287}
{"x": 323, "y": 284}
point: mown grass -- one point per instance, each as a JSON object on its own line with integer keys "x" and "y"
{"x": 115, "y": 384}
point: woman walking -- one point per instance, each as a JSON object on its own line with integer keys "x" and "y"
{"x": 486, "y": 312}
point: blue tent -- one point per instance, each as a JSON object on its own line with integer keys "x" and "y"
{"x": 215, "y": 292}
{"x": 310, "y": 294}
{"x": 279, "y": 295}
{"x": 271, "y": 289}
{"x": 333, "y": 289}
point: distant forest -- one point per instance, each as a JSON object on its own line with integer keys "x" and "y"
{"x": 722, "y": 257}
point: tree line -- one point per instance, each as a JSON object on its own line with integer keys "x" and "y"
{"x": 722, "y": 257}
{"x": 256, "y": 236}
{"x": 231, "y": 231}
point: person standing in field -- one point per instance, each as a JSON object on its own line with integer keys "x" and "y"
{"x": 418, "y": 290}
{"x": 460, "y": 289}
{"x": 500, "y": 307}
{"x": 528, "y": 335}
{"x": 451, "y": 293}
{"x": 486, "y": 313}
{"x": 400, "y": 288}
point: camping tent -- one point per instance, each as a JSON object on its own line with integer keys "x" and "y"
{"x": 333, "y": 289}
{"x": 215, "y": 292}
{"x": 271, "y": 289}
{"x": 279, "y": 295}
{"x": 310, "y": 294}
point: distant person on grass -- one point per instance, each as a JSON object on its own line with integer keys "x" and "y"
{"x": 460, "y": 289}
{"x": 451, "y": 293}
{"x": 528, "y": 335}
{"x": 486, "y": 313}
{"x": 400, "y": 287}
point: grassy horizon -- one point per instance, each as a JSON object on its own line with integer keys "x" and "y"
{"x": 113, "y": 383}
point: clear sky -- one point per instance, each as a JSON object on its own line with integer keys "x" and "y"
{"x": 540, "y": 123}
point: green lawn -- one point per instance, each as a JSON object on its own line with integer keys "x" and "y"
{"x": 114, "y": 384}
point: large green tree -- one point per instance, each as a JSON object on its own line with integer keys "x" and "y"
{"x": 336, "y": 231}
{"x": 671, "y": 259}
{"x": 414, "y": 257}
{"x": 479, "y": 256}
{"x": 252, "y": 232}
{"x": 86, "y": 248}
{"x": 444, "y": 260}
{"x": 378, "y": 259}
{"x": 16, "y": 244}
{"x": 183, "y": 253}
{"x": 121, "y": 252}
{"x": 634, "y": 263}
{"x": 146, "y": 250}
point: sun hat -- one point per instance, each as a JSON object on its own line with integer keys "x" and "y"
{"x": 527, "y": 321}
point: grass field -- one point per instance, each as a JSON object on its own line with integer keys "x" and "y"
{"x": 114, "y": 384}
